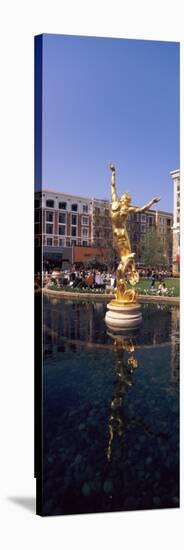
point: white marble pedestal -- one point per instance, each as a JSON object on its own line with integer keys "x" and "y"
{"x": 122, "y": 316}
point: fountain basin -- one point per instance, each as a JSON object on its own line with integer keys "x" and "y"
{"x": 122, "y": 315}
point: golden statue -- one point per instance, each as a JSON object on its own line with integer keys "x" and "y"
{"x": 120, "y": 209}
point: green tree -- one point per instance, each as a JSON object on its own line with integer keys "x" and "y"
{"x": 153, "y": 251}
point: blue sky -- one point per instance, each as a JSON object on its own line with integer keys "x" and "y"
{"x": 110, "y": 99}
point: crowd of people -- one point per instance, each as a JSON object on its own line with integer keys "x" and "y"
{"x": 101, "y": 279}
{"x": 154, "y": 274}
{"x": 81, "y": 278}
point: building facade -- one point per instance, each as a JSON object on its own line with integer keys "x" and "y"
{"x": 140, "y": 224}
{"x": 164, "y": 222}
{"x": 101, "y": 223}
{"x": 66, "y": 219}
{"x": 175, "y": 175}
{"x": 64, "y": 224}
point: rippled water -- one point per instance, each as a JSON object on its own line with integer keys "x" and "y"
{"x": 111, "y": 410}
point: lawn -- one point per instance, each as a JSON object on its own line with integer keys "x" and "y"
{"x": 173, "y": 284}
{"x": 143, "y": 287}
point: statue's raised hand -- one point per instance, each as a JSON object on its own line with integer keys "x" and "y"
{"x": 112, "y": 167}
{"x": 156, "y": 199}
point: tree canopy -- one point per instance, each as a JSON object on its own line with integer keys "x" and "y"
{"x": 153, "y": 251}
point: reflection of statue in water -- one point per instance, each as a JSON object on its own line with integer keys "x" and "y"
{"x": 124, "y": 370}
{"x": 120, "y": 209}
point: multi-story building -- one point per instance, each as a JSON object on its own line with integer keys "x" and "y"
{"x": 140, "y": 224}
{"x": 62, "y": 221}
{"x": 66, "y": 220}
{"x": 164, "y": 222}
{"x": 65, "y": 224}
{"x": 101, "y": 223}
{"x": 175, "y": 174}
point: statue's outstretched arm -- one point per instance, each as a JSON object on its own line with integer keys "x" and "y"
{"x": 113, "y": 183}
{"x": 145, "y": 207}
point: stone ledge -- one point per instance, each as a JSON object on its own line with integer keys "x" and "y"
{"x": 88, "y": 295}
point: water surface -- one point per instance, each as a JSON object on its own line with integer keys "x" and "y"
{"x": 111, "y": 410}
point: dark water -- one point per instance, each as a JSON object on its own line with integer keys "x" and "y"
{"x": 111, "y": 410}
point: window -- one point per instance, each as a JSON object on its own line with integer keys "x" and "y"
{"x": 49, "y": 216}
{"x": 62, "y": 218}
{"x": 74, "y": 219}
{"x": 85, "y": 232}
{"x": 73, "y": 242}
{"x": 178, "y": 220}
{"x": 61, "y": 229}
{"x": 85, "y": 208}
{"x": 49, "y": 242}
{"x": 106, "y": 212}
{"x": 143, "y": 228}
{"x": 84, "y": 243}
{"x": 97, "y": 211}
{"x": 49, "y": 228}
{"x": 143, "y": 218}
{"x": 62, "y": 205}
{"x": 50, "y": 203}
{"x": 67, "y": 242}
{"x": 74, "y": 207}
{"x": 73, "y": 231}
{"x": 61, "y": 242}
{"x": 178, "y": 203}
{"x": 178, "y": 187}
{"x": 37, "y": 203}
{"x": 85, "y": 220}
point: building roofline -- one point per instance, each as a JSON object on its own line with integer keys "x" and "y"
{"x": 63, "y": 193}
{"x": 102, "y": 200}
{"x": 71, "y": 195}
{"x": 90, "y": 199}
{"x": 164, "y": 212}
{"x": 177, "y": 171}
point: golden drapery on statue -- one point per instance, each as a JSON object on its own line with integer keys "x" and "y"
{"x": 126, "y": 271}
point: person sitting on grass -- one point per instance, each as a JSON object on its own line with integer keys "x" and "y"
{"x": 162, "y": 289}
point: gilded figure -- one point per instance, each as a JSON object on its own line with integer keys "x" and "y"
{"x": 126, "y": 271}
